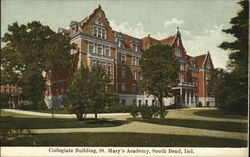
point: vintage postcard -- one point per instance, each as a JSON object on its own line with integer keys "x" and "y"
{"x": 124, "y": 78}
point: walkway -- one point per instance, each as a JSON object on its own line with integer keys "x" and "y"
{"x": 141, "y": 127}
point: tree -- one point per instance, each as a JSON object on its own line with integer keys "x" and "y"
{"x": 238, "y": 61}
{"x": 160, "y": 72}
{"x": 216, "y": 83}
{"x": 90, "y": 92}
{"x": 28, "y": 51}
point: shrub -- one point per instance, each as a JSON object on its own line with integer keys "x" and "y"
{"x": 134, "y": 111}
{"x": 117, "y": 109}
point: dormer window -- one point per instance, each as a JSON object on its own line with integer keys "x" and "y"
{"x": 177, "y": 52}
{"x": 135, "y": 47}
{"x": 99, "y": 32}
{"x": 120, "y": 43}
{"x": 99, "y": 22}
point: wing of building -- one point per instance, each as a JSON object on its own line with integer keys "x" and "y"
{"x": 119, "y": 55}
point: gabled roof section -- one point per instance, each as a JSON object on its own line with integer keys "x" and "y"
{"x": 169, "y": 40}
{"x": 148, "y": 41}
{"x": 200, "y": 60}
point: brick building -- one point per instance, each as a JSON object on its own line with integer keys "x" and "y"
{"x": 119, "y": 55}
{"x": 10, "y": 96}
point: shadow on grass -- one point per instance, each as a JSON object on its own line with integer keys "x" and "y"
{"x": 200, "y": 124}
{"x": 123, "y": 140}
{"x": 219, "y": 114}
{"x": 9, "y": 122}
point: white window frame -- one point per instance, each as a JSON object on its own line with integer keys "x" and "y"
{"x": 90, "y": 43}
{"x": 99, "y": 32}
{"x": 99, "y": 47}
{"x": 123, "y": 56}
{"x": 123, "y": 87}
{"x": 134, "y": 60}
{"x": 107, "y": 50}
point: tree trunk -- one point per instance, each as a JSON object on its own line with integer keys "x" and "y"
{"x": 95, "y": 115}
{"x": 79, "y": 116}
{"x": 162, "y": 112}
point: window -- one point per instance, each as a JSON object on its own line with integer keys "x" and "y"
{"x": 182, "y": 78}
{"x": 136, "y": 47}
{"x": 120, "y": 43}
{"x": 177, "y": 52}
{"x": 140, "y": 75}
{"x": 104, "y": 67}
{"x": 133, "y": 74}
{"x": 109, "y": 69}
{"x": 153, "y": 102}
{"x": 140, "y": 102}
{"x": 134, "y": 101}
{"x": 182, "y": 67}
{"x": 134, "y": 60}
{"x": 123, "y": 102}
{"x": 99, "y": 32}
{"x": 123, "y": 59}
{"x": 91, "y": 47}
{"x": 99, "y": 49}
{"x": 107, "y": 51}
{"x": 134, "y": 88}
{"x": 123, "y": 73}
{"x": 123, "y": 87}
{"x": 146, "y": 102}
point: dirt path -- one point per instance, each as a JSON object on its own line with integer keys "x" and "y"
{"x": 142, "y": 127}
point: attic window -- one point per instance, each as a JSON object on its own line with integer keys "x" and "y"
{"x": 178, "y": 52}
{"x": 120, "y": 43}
{"x": 99, "y": 32}
{"x": 135, "y": 47}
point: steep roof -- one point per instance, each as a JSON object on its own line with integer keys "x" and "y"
{"x": 200, "y": 59}
{"x": 168, "y": 40}
{"x": 148, "y": 41}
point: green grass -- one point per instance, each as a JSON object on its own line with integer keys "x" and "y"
{"x": 200, "y": 124}
{"x": 215, "y": 113}
{"x": 8, "y": 122}
{"x": 122, "y": 140}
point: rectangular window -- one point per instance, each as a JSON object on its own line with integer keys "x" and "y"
{"x": 99, "y": 49}
{"x": 91, "y": 47}
{"x": 109, "y": 69}
{"x": 134, "y": 88}
{"x": 123, "y": 102}
{"x": 123, "y": 87}
{"x": 134, "y": 60}
{"x": 134, "y": 101}
{"x": 107, "y": 51}
{"x": 135, "y": 47}
{"x": 140, "y": 75}
{"x": 182, "y": 78}
{"x": 120, "y": 43}
{"x": 104, "y": 67}
{"x": 177, "y": 52}
{"x": 123, "y": 73}
{"x": 99, "y": 32}
{"x": 133, "y": 74}
{"x": 123, "y": 59}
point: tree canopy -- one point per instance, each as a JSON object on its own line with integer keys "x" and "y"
{"x": 235, "y": 83}
{"x": 159, "y": 71}
{"x": 28, "y": 51}
{"x": 90, "y": 92}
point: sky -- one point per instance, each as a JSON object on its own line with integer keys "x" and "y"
{"x": 200, "y": 21}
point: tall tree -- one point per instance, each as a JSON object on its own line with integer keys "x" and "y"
{"x": 90, "y": 92}
{"x": 238, "y": 60}
{"x": 28, "y": 51}
{"x": 160, "y": 72}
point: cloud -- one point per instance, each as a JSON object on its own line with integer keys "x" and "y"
{"x": 137, "y": 31}
{"x": 194, "y": 44}
{"x": 209, "y": 41}
{"x": 173, "y": 21}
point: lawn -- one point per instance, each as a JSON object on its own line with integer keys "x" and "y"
{"x": 122, "y": 140}
{"x": 200, "y": 124}
{"x": 11, "y": 120}
{"x": 215, "y": 113}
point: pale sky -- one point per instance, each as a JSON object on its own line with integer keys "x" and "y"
{"x": 200, "y": 21}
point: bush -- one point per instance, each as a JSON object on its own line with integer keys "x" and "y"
{"x": 134, "y": 111}
{"x": 117, "y": 109}
{"x": 149, "y": 112}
